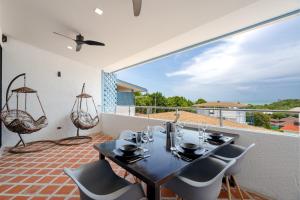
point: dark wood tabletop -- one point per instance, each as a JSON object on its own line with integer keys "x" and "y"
{"x": 161, "y": 166}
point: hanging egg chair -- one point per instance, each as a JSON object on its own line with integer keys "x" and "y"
{"x": 82, "y": 118}
{"x": 19, "y": 121}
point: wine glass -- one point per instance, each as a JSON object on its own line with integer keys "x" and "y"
{"x": 138, "y": 139}
{"x": 201, "y": 131}
{"x": 150, "y": 130}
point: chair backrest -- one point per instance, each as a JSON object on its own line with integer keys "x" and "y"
{"x": 92, "y": 179}
{"x": 208, "y": 187}
{"x": 236, "y": 168}
{"x": 127, "y": 134}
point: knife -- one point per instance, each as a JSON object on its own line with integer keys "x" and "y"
{"x": 139, "y": 158}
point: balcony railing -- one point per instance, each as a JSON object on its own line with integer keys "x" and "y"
{"x": 277, "y": 121}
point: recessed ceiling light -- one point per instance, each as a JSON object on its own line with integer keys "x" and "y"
{"x": 98, "y": 11}
{"x": 69, "y": 47}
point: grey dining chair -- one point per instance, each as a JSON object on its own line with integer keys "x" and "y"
{"x": 97, "y": 181}
{"x": 201, "y": 180}
{"x": 233, "y": 152}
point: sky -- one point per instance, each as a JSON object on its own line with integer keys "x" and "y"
{"x": 258, "y": 66}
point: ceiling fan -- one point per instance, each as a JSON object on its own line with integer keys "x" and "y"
{"x": 137, "y": 5}
{"x": 80, "y": 41}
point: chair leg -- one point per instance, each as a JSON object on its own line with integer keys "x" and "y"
{"x": 21, "y": 140}
{"x": 228, "y": 188}
{"x": 238, "y": 187}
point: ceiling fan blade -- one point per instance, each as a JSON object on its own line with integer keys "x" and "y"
{"x": 78, "y": 47}
{"x": 91, "y": 42}
{"x": 137, "y": 5}
{"x": 63, "y": 36}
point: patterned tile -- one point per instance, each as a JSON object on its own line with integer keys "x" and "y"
{"x": 39, "y": 176}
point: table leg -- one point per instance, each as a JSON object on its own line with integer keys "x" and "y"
{"x": 101, "y": 156}
{"x": 153, "y": 193}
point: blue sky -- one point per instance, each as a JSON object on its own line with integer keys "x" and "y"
{"x": 257, "y": 66}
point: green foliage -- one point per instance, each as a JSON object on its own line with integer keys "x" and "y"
{"x": 279, "y": 115}
{"x": 279, "y": 105}
{"x": 143, "y": 100}
{"x": 158, "y": 99}
{"x": 261, "y": 119}
{"x": 199, "y": 101}
{"x": 178, "y": 101}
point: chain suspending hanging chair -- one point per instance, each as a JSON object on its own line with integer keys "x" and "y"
{"x": 81, "y": 118}
{"x": 20, "y": 121}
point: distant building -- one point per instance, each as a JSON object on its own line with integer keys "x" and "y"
{"x": 232, "y": 115}
{"x": 126, "y": 98}
{"x": 288, "y": 124}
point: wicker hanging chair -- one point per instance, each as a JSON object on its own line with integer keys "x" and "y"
{"x": 82, "y": 119}
{"x": 20, "y": 121}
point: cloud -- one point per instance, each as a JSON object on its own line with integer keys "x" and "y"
{"x": 235, "y": 63}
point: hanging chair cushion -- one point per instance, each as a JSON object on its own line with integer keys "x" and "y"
{"x": 84, "y": 120}
{"x": 19, "y": 121}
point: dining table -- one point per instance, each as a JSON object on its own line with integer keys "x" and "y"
{"x": 161, "y": 165}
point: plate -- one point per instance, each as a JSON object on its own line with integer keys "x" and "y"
{"x": 215, "y": 141}
{"x": 215, "y": 136}
{"x": 197, "y": 153}
{"x": 128, "y": 149}
{"x": 119, "y": 153}
{"x": 189, "y": 147}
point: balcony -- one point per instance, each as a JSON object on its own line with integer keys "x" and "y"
{"x": 57, "y": 47}
{"x": 275, "y": 159}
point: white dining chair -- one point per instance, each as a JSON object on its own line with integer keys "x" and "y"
{"x": 201, "y": 180}
{"x": 233, "y": 152}
{"x": 97, "y": 181}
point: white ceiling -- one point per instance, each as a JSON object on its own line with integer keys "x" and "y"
{"x": 128, "y": 39}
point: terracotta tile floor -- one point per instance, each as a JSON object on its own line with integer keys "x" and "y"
{"x": 38, "y": 176}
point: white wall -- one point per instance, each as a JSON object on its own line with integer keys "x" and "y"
{"x": 272, "y": 168}
{"x": 57, "y": 94}
{"x": 125, "y": 110}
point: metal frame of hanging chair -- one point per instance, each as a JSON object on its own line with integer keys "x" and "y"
{"x": 82, "y": 120}
{"x": 20, "y": 121}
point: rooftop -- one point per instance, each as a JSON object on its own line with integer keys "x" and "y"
{"x": 199, "y": 118}
{"x": 220, "y": 104}
{"x": 123, "y": 85}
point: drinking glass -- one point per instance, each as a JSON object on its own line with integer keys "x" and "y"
{"x": 145, "y": 137}
{"x": 201, "y": 132}
{"x": 150, "y": 133}
{"x": 138, "y": 139}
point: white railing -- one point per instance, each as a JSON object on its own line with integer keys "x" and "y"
{"x": 221, "y": 117}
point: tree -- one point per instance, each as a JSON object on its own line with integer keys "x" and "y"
{"x": 143, "y": 100}
{"x": 262, "y": 120}
{"x": 178, "y": 101}
{"x": 199, "y": 101}
{"x": 158, "y": 99}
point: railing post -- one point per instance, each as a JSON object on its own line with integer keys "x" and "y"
{"x": 221, "y": 118}
{"x": 299, "y": 121}
{"x": 148, "y": 112}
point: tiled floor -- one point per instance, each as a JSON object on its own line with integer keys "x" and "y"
{"x": 38, "y": 176}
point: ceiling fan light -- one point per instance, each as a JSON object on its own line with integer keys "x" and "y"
{"x": 98, "y": 11}
{"x": 69, "y": 47}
